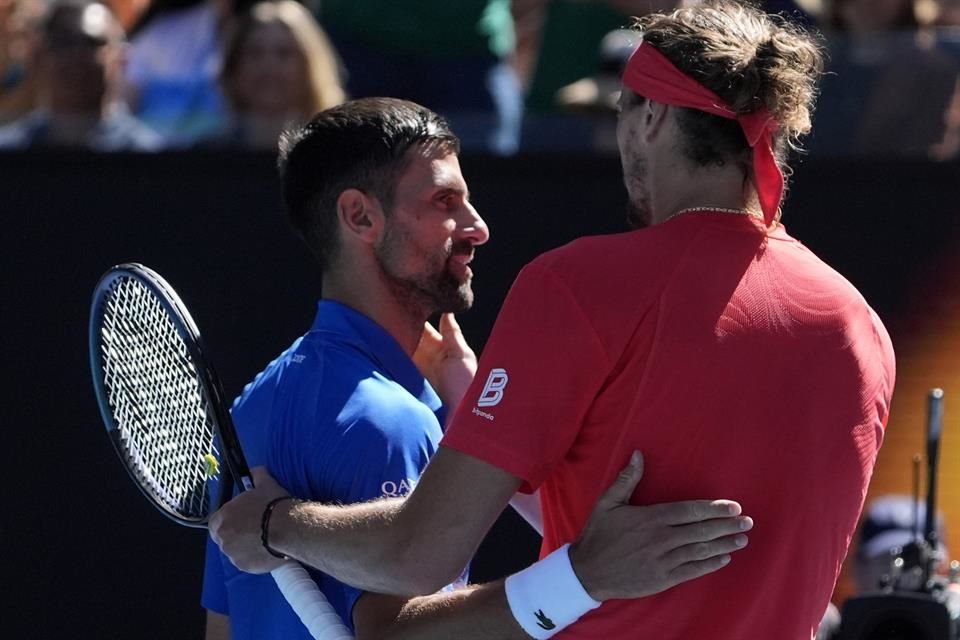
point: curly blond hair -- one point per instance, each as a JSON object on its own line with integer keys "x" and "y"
{"x": 749, "y": 59}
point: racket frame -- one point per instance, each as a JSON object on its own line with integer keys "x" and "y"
{"x": 209, "y": 381}
{"x": 296, "y": 585}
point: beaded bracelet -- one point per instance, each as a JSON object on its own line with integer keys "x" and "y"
{"x": 265, "y": 526}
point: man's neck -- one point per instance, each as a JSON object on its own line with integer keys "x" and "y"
{"x": 699, "y": 188}
{"x": 402, "y": 319}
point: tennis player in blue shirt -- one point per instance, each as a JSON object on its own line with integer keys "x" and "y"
{"x": 354, "y": 409}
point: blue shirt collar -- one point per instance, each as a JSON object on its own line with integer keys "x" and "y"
{"x": 379, "y": 346}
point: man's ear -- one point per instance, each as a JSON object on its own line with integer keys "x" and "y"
{"x": 654, "y": 118}
{"x": 360, "y": 215}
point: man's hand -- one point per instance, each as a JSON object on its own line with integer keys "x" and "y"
{"x": 446, "y": 360}
{"x": 634, "y": 551}
{"x": 236, "y": 526}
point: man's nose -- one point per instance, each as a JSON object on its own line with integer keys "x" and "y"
{"x": 474, "y": 229}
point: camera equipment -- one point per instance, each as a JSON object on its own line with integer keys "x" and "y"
{"x": 913, "y": 603}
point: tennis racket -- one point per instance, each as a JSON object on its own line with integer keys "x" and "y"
{"x": 164, "y": 410}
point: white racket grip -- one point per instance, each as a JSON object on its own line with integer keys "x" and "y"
{"x": 309, "y": 603}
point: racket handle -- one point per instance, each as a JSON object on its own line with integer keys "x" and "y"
{"x": 308, "y": 603}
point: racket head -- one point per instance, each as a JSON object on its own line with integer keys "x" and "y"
{"x": 159, "y": 396}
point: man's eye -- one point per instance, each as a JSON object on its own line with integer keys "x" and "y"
{"x": 448, "y": 200}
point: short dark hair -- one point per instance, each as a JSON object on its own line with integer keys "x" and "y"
{"x": 361, "y": 144}
{"x": 749, "y": 59}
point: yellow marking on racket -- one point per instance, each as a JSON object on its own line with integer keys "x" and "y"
{"x": 210, "y": 465}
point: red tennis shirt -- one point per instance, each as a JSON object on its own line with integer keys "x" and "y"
{"x": 739, "y": 363}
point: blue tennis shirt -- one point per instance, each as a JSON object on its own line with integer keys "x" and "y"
{"x": 343, "y": 415}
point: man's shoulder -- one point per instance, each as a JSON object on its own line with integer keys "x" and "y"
{"x": 384, "y": 402}
{"x": 597, "y": 270}
{"x": 599, "y": 254}
{"x": 327, "y": 376}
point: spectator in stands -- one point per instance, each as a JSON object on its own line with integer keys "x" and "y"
{"x": 567, "y": 44}
{"x": 561, "y": 43}
{"x": 279, "y": 69}
{"x": 174, "y": 60}
{"x": 17, "y": 83}
{"x": 78, "y": 63}
{"x": 453, "y": 57}
{"x": 890, "y": 85}
{"x": 573, "y": 38}
{"x": 595, "y": 97}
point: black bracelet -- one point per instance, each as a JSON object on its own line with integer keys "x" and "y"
{"x": 265, "y": 526}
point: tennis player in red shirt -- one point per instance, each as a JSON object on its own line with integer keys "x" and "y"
{"x": 711, "y": 340}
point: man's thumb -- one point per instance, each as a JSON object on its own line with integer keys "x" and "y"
{"x": 261, "y": 477}
{"x": 623, "y": 487}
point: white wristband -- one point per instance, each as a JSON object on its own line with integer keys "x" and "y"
{"x": 547, "y": 596}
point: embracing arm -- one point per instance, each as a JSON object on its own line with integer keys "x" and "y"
{"x": 387, "y": 546}
{"x": 396, "y": 546}
{"x": 477, "y": 612}
{"x": 390, "y": 546}
{"x": 623, "y": 552}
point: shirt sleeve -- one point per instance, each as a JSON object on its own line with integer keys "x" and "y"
{"x": 380, "y": 455}
{"x": 540, "y": 370}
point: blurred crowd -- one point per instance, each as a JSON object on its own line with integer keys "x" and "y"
{"x": 509, "y": 74}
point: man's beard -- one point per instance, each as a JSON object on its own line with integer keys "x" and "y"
{"x": 638, "y": 197}
{"x": 436, "y": 291}
{"x": 638, "y": 216}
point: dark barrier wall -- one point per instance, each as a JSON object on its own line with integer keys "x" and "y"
{"x": 83, "y": 555}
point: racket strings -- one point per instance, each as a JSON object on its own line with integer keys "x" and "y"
{"x": 160, "y": 409}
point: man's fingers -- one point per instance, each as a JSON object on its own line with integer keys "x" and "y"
{"x": 261, "y": 477}
{"x": 430, "y": 340}
{"x": 676, "y": 513}
{"x": 708, "y": 530}
{"x": 696, "y": 560}
{"x": 429, "y": 331}
{"x": 213, "y": 526}
{"x": 623, "y": 487}
{"x": 449, "y": 327}
{"x": 705, "y": 550}
{"x": 452, "y": 335}
{"x": 692, "y": 570}
{"x": 264, "y": 481}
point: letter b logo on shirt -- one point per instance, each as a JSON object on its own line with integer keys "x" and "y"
{"x": 493, "y": 390}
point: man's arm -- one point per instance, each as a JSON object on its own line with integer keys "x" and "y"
{"x": 416, "y": 546}
{"x": 477, "y": 612}
{"x": 392, "y": 546}
{"x": 218, "y": 626}
{"x": 481, "y": 612}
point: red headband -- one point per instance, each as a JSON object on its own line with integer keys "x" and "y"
{"x": 650, "y": 74}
